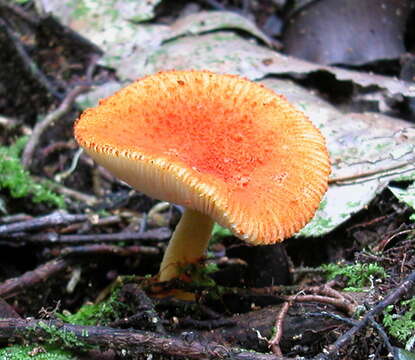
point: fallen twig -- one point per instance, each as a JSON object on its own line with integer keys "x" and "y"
{"x": 390, "y": 299}
{"x": 326, "y": 289}
{"x": 127, "y": 340}
{"x": 353, "y": 322}
{"x": 333, "y": 297}
{"x": 64, "y": 174}
{"x": 27, "y": 61}
{"x": 159, "y": 234}
{"x": 13, "y": 286}
{"x": 341, "y": 304}
{"x": 18, "y": 10}
{"x": 274, "y": 342}
{"x": 324, "y": 294}
{"x": 55, "y": 115}
{"x": 383, "y": 335}
{"x": 381, "y": 246}
{"x": 348, "y": 321}
{"x": 15, "y": 218}
{"x": 89, "y": 200}
{"x": 145, "y": 311}
{"x": 55, "y": 219}
{"x": 108, "y": 249}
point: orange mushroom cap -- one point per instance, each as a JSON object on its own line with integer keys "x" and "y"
{"x": 218, "y": 144}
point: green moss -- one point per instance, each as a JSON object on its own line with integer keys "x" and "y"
{"x": 25, "y": 352}
{"x": 201, "y": 275}
{"x": 86, "y": 315}
{"x": 97, "y": 314}
{"x": 15, "y": 179}
{"x": 357, "y": 275}
{"x": 199, "y": 272}
{"x": 401, "y": 325}
{"x": 56, "y": 335}
{"x": 201, "y": 279}
{"x": 219, "y": 233}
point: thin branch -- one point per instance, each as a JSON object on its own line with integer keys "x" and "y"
{"x": 326, "y": 289}
{"x": 109, "y": 249}
{"x": 390, "y": 299}
{"x": 55, "y": 219}
{"x": 9, "y": 123}
{"x": 55, "y": 115}
{"x": 55, "y": 238}
{"x": 74, "y": 163}
{"x": 145, "y": 310}
{"x": 334, "y": 316}
{"x": 13, "y": 286}
{"x": 15, "y": 218}
{"x": 383, "y": 335}
{"x": 29, "y": 64}
{"x": 353, "y": 322}
{"x": 18, "y": 10}
{"x": 338, "y": 303}
{"x": 89, "y": 200}
{"x": 381, "y": 246}
{"x": 274, "y": 342}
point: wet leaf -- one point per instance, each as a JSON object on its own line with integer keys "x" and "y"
{"x": 347, "y": 31}
{"x": 406, "y": 196}
{"x": 227, "y": 52}
{"x": 135, "y": 63}
{"x": 367, "y": 151}
{"x": 205, "y": 21}
{"x": 113, "y": 27}
{"x": 92, "y": 98}
{"x": 402, "y": 354}
{"x": 319, "y": 111}
{"x": 73, "y": 11}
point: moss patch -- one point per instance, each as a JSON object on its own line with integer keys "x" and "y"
{"x": 25, "y": 352}
{"x": 15, "y": 179}
{"x": 401, "y": 325}
{"x": 97, "y": 314}
{"x": 357, "y": 275}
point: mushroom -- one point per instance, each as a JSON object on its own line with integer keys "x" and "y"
{"x": 229, "y": 150}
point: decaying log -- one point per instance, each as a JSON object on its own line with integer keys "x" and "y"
{"x": 254, "y": 328}
{"x": 130, "y": 341}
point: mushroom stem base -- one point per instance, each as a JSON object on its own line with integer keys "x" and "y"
{"x": 187, "y": 245}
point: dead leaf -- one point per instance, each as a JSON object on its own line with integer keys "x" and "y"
{"x": 226, "y": 52}
{"x": 347, "y": 31}
{"x": 367, "y": 151}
